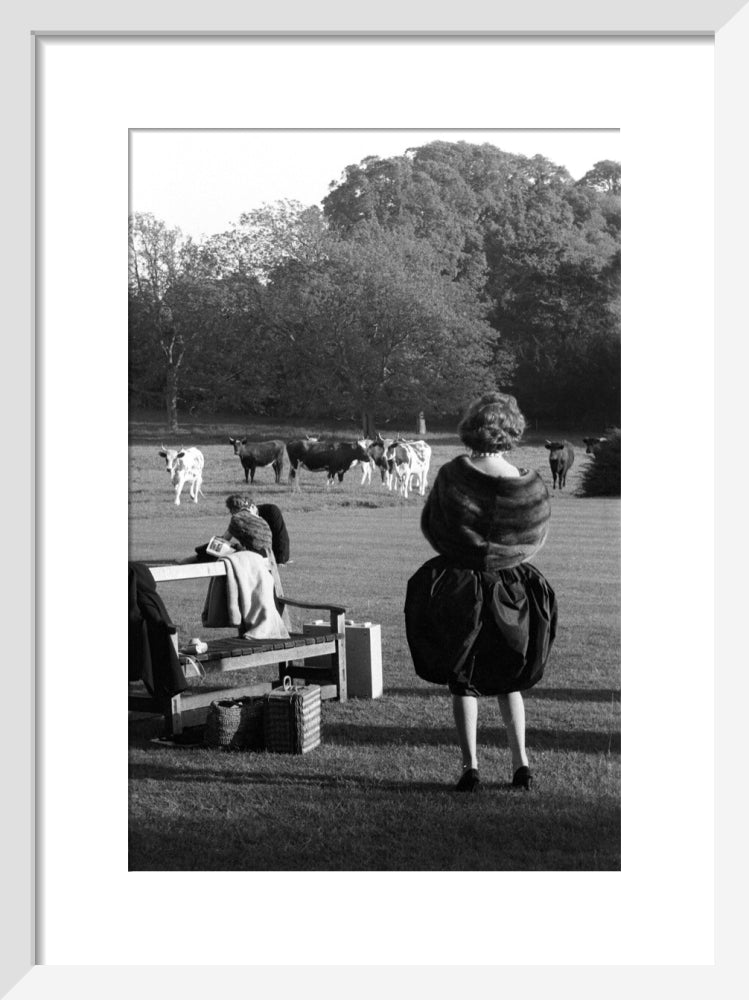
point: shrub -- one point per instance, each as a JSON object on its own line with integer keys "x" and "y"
{"x": 602, "y": 476}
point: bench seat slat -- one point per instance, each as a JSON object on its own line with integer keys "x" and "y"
{"x": 237, "y": 646}
{"x": 220, "y": 657}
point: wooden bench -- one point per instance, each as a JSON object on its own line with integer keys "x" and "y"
{"x": 190, "y": 707}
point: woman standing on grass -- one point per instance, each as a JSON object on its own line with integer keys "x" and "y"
{"x": 479, "y": 617}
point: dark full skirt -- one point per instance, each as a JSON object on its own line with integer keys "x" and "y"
{"x": 480, "y": 633}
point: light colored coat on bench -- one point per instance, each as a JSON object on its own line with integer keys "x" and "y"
{"x": 245, "y": 598}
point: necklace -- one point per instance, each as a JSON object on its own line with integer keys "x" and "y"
{"x": 486, "y": 454}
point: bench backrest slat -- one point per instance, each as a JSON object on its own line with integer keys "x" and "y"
{"x": 190, "y": 571}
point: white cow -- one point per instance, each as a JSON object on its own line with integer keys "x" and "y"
{"x": 409, "y": 459}
{"x": 184, "y": 465}
{"x": 366, "y": 465}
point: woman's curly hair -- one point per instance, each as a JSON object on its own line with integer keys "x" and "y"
{"x": 238, "y": 501}
{"x": 492, "y": 423}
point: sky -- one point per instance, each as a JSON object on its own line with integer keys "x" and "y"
{"x": 201, "y": 180}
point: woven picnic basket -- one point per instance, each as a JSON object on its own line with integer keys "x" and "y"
{"x": 292, "y": 716}
{"x": 235, "y": 724}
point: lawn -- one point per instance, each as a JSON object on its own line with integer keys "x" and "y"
{"x": 376, "y": 795}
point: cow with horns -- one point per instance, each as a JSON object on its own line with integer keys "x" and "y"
{"x": 184, "y": 465}
{"x": 258, "y": 454}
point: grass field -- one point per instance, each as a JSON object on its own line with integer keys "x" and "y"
{"x": 376, "y": 793}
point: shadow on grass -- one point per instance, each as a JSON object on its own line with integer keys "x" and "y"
{"x": 550, "y": 694}
{"x": 281, "y": 824}
{"x": 357, "y": 734}
{"x": 580, "y": 740}
{"x": 606, "y": 695}
{"x": 160, "y": 772}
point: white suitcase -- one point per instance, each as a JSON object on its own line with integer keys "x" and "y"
{"x": 363, "y": 656}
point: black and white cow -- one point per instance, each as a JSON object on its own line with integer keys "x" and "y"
{"x": 377, "y": 449}
{"x": 561, "y": 458}
{"x": 184, "y": 465}
{"x": 333, "y": 457}
{"x": 407, "y": 460}
{"x": 257, "y": 454}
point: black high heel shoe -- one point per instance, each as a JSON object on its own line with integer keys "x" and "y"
{"x": 522, "y": 778}
{"x": 469, "y": 781}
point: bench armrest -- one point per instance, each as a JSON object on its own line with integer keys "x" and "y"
{"x": 336, "y": 609}
{"x": 335, "y": 612}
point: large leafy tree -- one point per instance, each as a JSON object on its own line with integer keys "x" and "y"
{"x": 154, "y": 271}
{"x": 375, "y": 327}
{"x": 541, "y": 251}
{"x": 421, "y": 194}
{"x": 184, "y": 317}
{"x": 282, "y": 237}
{"x": 262, "y": 240}
{"x": 604, "y": 176}
{"x": 554, "y": 276}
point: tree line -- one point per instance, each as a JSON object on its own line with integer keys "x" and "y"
{"x": 424, "y": 279}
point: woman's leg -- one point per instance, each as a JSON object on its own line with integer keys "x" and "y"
{"x": 513, "y": 715}
{"x": 466, "y": 713}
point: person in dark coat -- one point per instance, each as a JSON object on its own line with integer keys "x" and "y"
{"x": 273, "y": 517}
{"x": 479, "y": 617}
{"x": 152, "y": 657}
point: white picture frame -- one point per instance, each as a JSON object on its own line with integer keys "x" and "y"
{"x": 729, "y": 23}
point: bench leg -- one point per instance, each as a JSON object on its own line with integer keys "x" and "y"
{"x": 339, "y": 662}
{"x": 174, "y": 717}
{"x": 338, "y": 624}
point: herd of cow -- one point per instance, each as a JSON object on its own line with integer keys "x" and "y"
{"x": 403, "y": 465}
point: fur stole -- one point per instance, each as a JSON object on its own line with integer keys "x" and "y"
{"x": 482, "y": 522}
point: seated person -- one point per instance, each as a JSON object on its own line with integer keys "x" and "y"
{"x": 250, "y": 532}
{"x": 256, "y": 528}
{"x": 253, "y": 533}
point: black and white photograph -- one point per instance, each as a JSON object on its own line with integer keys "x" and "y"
{"x": 374, "y": 492}
{"x": 412, "y": 640}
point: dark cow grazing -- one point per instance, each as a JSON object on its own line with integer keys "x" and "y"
{"x": 561, "y": 458}
{"x": 593, "y": 444}
{"x": 333, "y": 457}
{"x": 257, "y": 454}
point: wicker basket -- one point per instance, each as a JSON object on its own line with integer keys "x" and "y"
{"x": 235, "y": 724}
{"x": 291, "y": 720}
